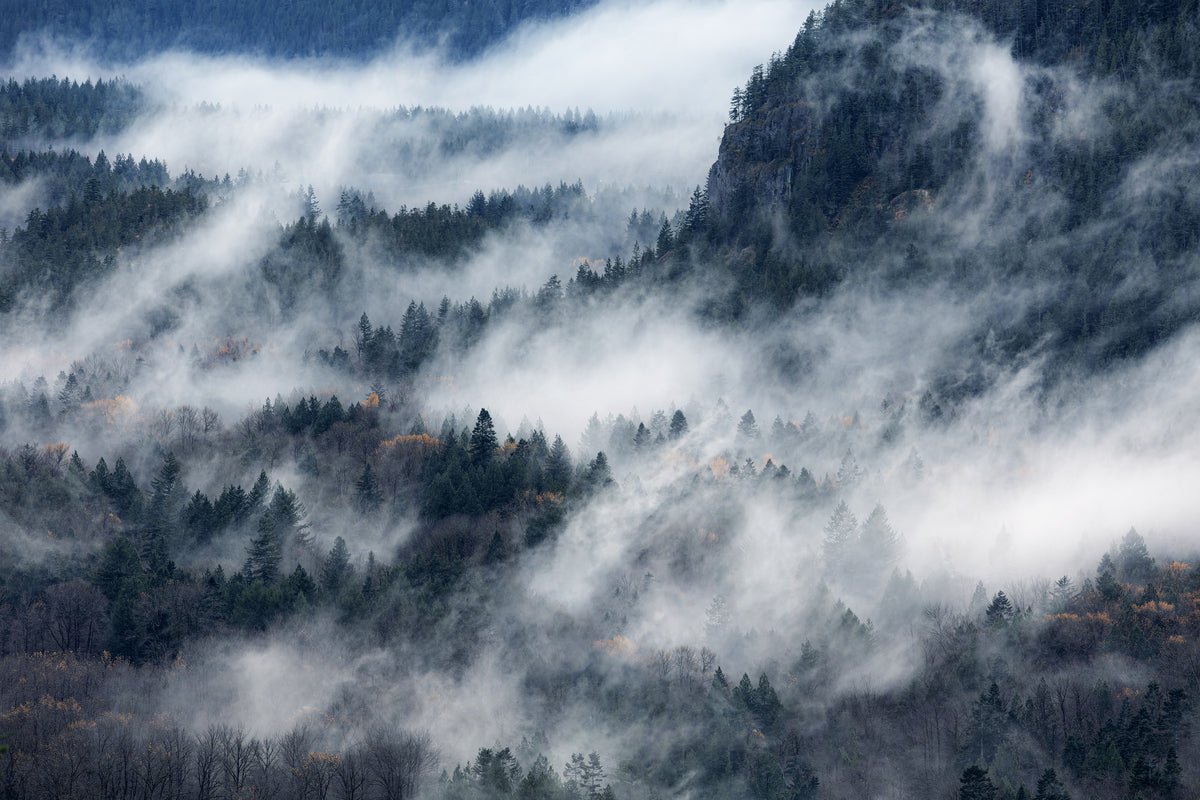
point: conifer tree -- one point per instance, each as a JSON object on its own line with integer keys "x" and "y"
{"x": 598, "y": 473}
{"x": 558, "y": 467}
{"x": 747, "y": 428}
{"x": 264, "y": 552}
{"x": 367, "y": 495}
{"x": 336, "y": 570}
{"x": 483, "y": 439}
{"x": 679, "y": 425}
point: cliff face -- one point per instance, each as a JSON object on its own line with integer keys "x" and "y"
{"x": 759, "y": 156}
{"x": 923, "y": 145}
{"x": 830, "y": 133}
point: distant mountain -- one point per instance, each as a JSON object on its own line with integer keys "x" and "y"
{"x": 344, "y": 28}
{"x": 1049, "y": 146}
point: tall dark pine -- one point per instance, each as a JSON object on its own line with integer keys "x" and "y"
{"x": 162, "y": 516}
{"x": 598, "y": 473}
{"x": 367, "y": 496}
{"x": 363, "y": 339}
{"x": 258, "y": 493}
{"x": 558, "y": 467}
{"x": 1000, "y": 610}
{"x": 483, "y": 439}
{"x": 1134, "y": 562}
{"x": 264, "y": 552}
{"x": 286, "y": 514}
{"x": 337, "y": 569}
{"x": 679, "y": 425}
{"x": 1049, "y": 787}
{"x": 975, "y": 785}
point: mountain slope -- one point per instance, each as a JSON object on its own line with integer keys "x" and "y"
{"x": 986, "y": 147}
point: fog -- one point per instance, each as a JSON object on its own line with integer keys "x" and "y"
{"x": 662, "y": 99}
{"x": 1024, "y": 479}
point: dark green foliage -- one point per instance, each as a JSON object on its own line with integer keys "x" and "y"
{"x": 162, "y": 518}
{"x": 200, "y": 518}
{"x": 999, "y": 611}
{"x": 1050, "y": 788}
{"x": 367, "y": 495}
{"x": 120, "y": 488}
{"x": 337, "y": 569}
{"x": 308, "y": 259}
{"x": 264, "y": 552}
{"x": 1108, "y": 587}
{"x": 679, "y": 425}
{"x": 1004, "y": 684}
{"x": 558, "y": 467}
{"x": 840, "y": 144}
{"x": 258, "y": 493}
{"x": 300, "y": 585}
{"x": 497, "y": 772}
{"x": 483, "y": 439}
{"x": 451, "y": 233}
{"x": 418, "y": 337}
{"x": 541, "y": 782}
{"x": 119, "y": 568}
{"x": 347, "y": 30}
{"x": 598, "y": 475}
{"x": 976, "y": 785}
{"x": 1008, "y": 691}
{"x": 544, "y": 524}
{"x": 50, "y": 108}
{"x": 1134, "y": 563}
{"x": 68, "y": 247}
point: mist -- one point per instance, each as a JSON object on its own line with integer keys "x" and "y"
{"x": 329, "y": 124}
{"x": 507, "y": 623}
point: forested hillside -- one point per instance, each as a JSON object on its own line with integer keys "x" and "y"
{"x": 859, "y": 467}
{"x": 980, "y": 146}
{"x": 347, "y": 30}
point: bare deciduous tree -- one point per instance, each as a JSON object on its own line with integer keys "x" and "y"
{"x": 188, "y": 421}
{"x": 77, "y": 616}
{"x": 210, "y": 421}
{"x": 398, "y": 761}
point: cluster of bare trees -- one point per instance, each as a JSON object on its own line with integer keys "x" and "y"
{"x": 683, "y": 666}
{"x": 115, "y": 757}
{"x": 185, "y": 425}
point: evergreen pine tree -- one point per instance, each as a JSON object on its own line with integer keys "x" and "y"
{"x": 336, "y": 570}
{"x": 679, "y": 425}
{"x": 558, "y": 467}
{"x": 483, "y": 439}
{"x": 367, "y": 495}
{"x": 264, "y": 552}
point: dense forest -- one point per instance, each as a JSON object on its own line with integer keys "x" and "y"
{"x": 346, "y": 30}
{"x": 850, "y": 153}
{"x": 857, "y": 467}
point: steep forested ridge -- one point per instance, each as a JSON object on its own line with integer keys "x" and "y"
{"x": 857, "y": 152}
{"x": 370, "y": 584}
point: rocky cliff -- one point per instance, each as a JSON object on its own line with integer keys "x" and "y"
{"x": 901, "y": 143}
